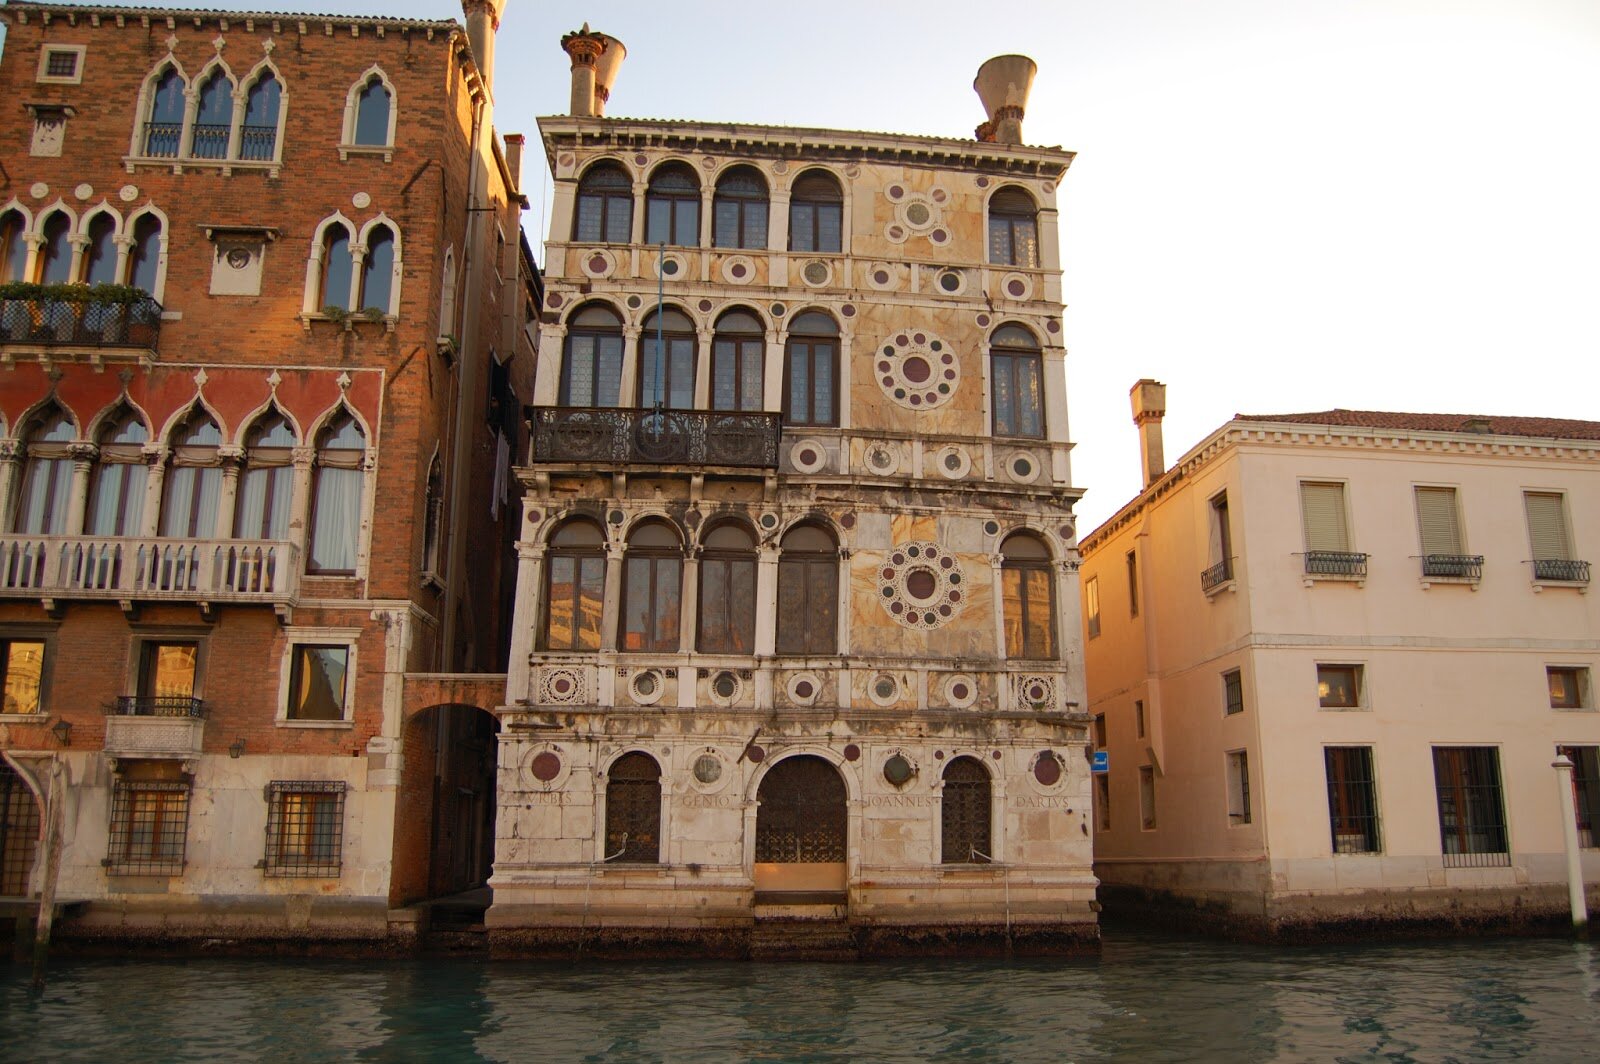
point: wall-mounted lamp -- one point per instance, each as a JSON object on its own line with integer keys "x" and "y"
{"x": 236, "y": 749}
{"x": 62, "y": 730}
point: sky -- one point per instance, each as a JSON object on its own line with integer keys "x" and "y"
{"x": 1277, "y": 205}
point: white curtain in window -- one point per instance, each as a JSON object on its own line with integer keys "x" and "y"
{"x": 337, "y": 516}
{"x": 118, "y": 499}
{"x": 191, "y": 508}
{"x": 46, "y": 487}
{"x": 263, "y": 508}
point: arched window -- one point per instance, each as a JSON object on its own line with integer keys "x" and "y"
{"x": 652, "y": 581}
{"x": 433, "y": 517}
{"x": 811, "y": 368}
{"x": 116, "y": 495}
{"x": 727, "y": 606}
{"x": 808, "y": 592}
{"x": 738, "y": 355}
{"x": 336, "y": 497}
{"x": 55, "y": 254}
{"x": 1016, "y": 382}
{"x": 816, "y": 213}
{"x": 258, "y": 140}
{"x": 194, "y": 482}
{"x": 667, "y": 348}
{"x": 163, "y": 125}
{"x": 100, "y": 257}
{"x": 13, "y": 247}
{"x": 605, "y": 206}
{"x": 739, "y": 210}
{"x": 144, "y": 258}
{"x": 633, "y": 810}
{"x": 591, "y": 372}
{"x": 266, "y": 485}
{"x": 377, "y": 270}
{"x": 575, "y": 586}
{"x": 214, "y": 120}
{"x": 672, "y": 207}
{"x": 1028, "y": 604}
{"x": 372, "y": 114}
{"x": 1013, "y": 229}
{"x": 46, "y": 474}
{"x": 337, "y": 266}
{"x": 964, "y": 813}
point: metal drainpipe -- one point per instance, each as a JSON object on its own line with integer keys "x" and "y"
{"x": 466, "y": 389}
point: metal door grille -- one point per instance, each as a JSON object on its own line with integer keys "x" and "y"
{"x": 633, "y": 810}
{"x": 802, "y": 817}
{"x": 19, "y": 833}
{"x": 305, "y": 828}
{"x": 964, "y": 813}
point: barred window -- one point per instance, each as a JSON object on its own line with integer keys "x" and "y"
{"x": 633, "y": 810}
{"x": 149, "y": 828}
{"x": 964, "y": 813}
{"x": 305, "y": 828}
{"x": 1472, "y": 819}
{"x": 1352, "y": 799}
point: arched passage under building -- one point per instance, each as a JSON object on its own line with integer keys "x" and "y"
{"x": 19, "y": 832}
{"x": 444, "y": 831}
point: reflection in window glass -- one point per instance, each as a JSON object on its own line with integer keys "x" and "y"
{"x": 317, "y": 682}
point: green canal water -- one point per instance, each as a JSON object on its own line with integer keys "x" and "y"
{"x": 1148, "y": 997}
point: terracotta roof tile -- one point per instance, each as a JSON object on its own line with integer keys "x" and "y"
{"x": 1552, "y": 428}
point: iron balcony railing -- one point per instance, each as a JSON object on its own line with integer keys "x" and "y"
{"x": 1466, "y": 566}
{"x": 160, "y": 706}
{"x": 1217, "y": 575}
{"x": 257, "y": 143}
{"x": 655, "y": 437}
{"x": 210, "y": 141}
{"x": 108, "y": 567}
{"x": 161, "y": 139}
{"x": 1561, "y": 569}
{"x": 1336, "y": 563}
{"x": 84, "y": 322}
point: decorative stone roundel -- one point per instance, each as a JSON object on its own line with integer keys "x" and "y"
{"x": 953, "y": 463}
{"x": 596, "y": 263}
{"x": 646, "y": 686}
{"x": 671, "y": 267}
{"x": 708, "y": 771}
{"x": 1035, "y": 690}
{"x": 561, "y": 687}
{"x": 1023, "y": 467}
{"x": 808, "y": 455}
{"x": 961, "y": 690}
{"x": 803, "y": 688}
{"x": 816, "y": 273}
{"x": 738, "y": 269}
{"x": 921, "y": 585}
{"x": 546, "y": 766}
{"x": 917, "y": 369}
{"x": 1016, "y": 286}
{"x": 883, "y": 688}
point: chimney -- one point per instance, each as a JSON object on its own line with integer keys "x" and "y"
{"x": 1149, "y": 399}
{"x": 483, "y": 21}
{"x": 1003, "y": 84}
{"x": 514, "y": 143}
{"x": 595, "y": 59}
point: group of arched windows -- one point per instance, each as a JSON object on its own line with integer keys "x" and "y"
{"x": 101, "y": 248}
{"x": 653, "y": 577}
{"x": 226, "y": 120}
{"x": 192, "y": 502}
{"x": 740, "y": 209}
{"x": 355, "y": 269}
{"x": 633, "y": 810}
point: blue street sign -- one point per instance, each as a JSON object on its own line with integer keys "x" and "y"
{"x": 1100, "y": 764}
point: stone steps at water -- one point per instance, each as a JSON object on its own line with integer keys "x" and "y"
{"x": 802, "y": 939}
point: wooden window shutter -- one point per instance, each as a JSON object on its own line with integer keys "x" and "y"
{"x": 1436, "y": 518}
{"x": 1322, "y": 508}
{"x": 1547, "y": 525}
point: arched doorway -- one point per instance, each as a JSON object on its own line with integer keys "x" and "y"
{"x": 802, "y": 824}
{"x": 445, "y": 843}
{"x": 19, "y": 833}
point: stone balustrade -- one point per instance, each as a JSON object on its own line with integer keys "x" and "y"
{"x": 121, "y": 569}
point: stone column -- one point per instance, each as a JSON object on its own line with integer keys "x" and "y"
{"x": 236, "y": 124}
{"x": 772, "y": 377}
{"x": 841, "y": 391}
{"x": 358, "y": 259}
{"x": 300, "y": 500}
{"x": 766, "y": 601}
{"x": 191, "y": 112}
{"x": 843, "y": 608}
{"x": 10, "y": 462}
{"x": 83, "y": 456}
{"x": 526, "y": 615}
{"x": 996, "y": 562}
{"x": 702, "y": 370}
{"x": 80, "y": 247}
{"x": 547, "y": 380}
{"x": 611, "y": 608}
{"x": 628, "y": 393}
{"x": 640, "y": 205}
{"x": 232, "y": 459}
{"x": 155, "y": 456}
{"x": 689, "y": 615}
{"x": 124, "y": 246}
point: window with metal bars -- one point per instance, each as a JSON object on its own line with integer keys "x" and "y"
{"x": 1238, "y": 787}
{"x": 1232, "y": 693}
{"x": 305, "y": 828}
{"x": 633, "y": 810}
{"x": 964, "y": 813}
{"x": 1472, "y": 822}
{"x": 1352, "y": 799}
{"x": 19, "y": 833}
{"x": 1585, "y": 791}
{"x": 149, "y": 828}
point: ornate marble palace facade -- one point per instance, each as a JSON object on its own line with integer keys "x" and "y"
{"x": 796, "y": 631}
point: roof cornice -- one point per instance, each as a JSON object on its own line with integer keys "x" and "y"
{"x": 23, "y": 13}
{"x": 569, "y": 131}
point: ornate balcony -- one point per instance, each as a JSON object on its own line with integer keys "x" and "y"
{"x": 1336, "y": 563}
{"x": 1458, "y": 566}
{"x": 146, "y": 736}
{"x": 75, "y": 316}
{"x": 655, "y": 437}
{"x": 1217, "y": 575}
{"x": 119, "y": 569}
{"x": 1561, "y": 569}
{"x": 159, "y": 706}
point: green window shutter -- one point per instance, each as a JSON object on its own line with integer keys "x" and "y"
{"x": 1436, "y": 517}
{"x": 1547, "y": 525}
{"x": 1322, "y": 509}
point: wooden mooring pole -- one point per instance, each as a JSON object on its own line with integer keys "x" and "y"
{"x": 1569, "y": 819}
{"x": 55, "y": 793}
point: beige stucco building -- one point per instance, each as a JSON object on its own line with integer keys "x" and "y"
{"x": 1332, "y": 656}
{"x": 796, "y": 660}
